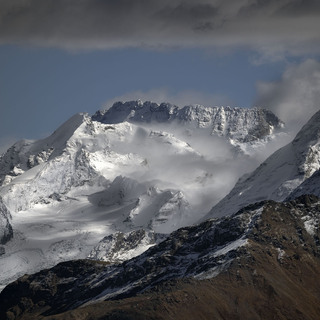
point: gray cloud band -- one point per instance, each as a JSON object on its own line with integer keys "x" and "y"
{"x": 270, "y": 26}
{"x": 295, "y": 97}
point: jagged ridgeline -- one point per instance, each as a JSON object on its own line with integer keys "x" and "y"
{"x": 241, "y": 124}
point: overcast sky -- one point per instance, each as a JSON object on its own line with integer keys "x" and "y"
{"x": 60, "y": 57}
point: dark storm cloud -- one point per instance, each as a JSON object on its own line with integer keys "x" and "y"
{"x": 290, "y": 8}
{"x": 269, "y": 26}
{"x": 300, "y": 8}
{"x": 187, "y": 15}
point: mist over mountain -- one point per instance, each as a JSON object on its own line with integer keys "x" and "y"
{"x": 285, "y": 174}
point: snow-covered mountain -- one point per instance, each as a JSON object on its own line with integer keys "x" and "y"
{"x": 281, "y": 175}
{"x": 69, "y": 191}
{"x": 136, "y": 169}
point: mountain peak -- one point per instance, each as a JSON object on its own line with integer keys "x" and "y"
{"x": 25, "y": 154}
{"x": 136, "y": 110}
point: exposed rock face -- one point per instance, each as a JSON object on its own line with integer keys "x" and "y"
{"x": 241, "y": 124}
{"x": 120, "y": 246}
{"x": 6, "y": 232}
{"x": 260, "y": 262}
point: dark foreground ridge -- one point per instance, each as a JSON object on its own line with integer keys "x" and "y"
{"x": 261, "y": 263}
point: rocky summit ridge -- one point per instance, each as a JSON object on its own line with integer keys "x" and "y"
{"x": 240, "y": 124}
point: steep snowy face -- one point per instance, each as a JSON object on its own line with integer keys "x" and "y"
{"x": 48, "y": 166}
{"x": 238, "y": 124}
{"x": 26, "y": 154}
{"x": 278, "y": 176}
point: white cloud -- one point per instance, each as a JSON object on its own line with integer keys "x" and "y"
{"x": 296, "y": 96}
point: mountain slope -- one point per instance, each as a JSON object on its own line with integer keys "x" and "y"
{"x": 279, "y": 175}
{"x": 259, "y": 263}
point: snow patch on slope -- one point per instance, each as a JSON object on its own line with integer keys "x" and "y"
{"x": 119, "y": 246}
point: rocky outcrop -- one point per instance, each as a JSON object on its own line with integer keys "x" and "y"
{"x": 6, "y": 232}
{"x": 119, "y": 246}
{"x": 239, "y": 124}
